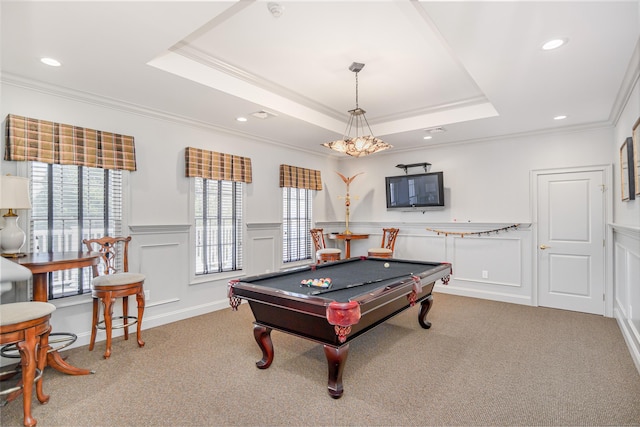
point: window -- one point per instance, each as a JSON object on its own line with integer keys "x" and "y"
{"x": 296, "y": 223}
{"x": 72, "y": 203}
{"x": 218, "y": 226}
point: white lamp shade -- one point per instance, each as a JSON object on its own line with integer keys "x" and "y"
{"x": 14, "y": 192}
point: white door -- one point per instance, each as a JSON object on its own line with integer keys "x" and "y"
{"x": 571, "y": 252}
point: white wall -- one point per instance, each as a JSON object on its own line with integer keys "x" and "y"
{"x": 484, "y": 182}
{"x": 626, "y": 232}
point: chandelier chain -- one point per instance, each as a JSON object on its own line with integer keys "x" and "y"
{"x": 357, "y": 90}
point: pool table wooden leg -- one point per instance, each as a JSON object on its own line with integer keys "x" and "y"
{"x": 336, "y": 359}
{"x": 425, "y": 306}
{"x": 262, "y": 335}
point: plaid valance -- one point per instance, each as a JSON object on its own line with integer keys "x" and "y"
{"x": 48, "y": 142}
{"x": 295, "y": 177}
{"x": 218, "y": 166}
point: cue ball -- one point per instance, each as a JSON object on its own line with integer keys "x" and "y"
{"x": 386, "y": 265}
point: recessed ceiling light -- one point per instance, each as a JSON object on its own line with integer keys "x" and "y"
{"x": 427, "y": 137}
{"x": 559, "y": 117}
{"x": 51, "y": 62}
{"x": 241, "y": 119}
{"x": 263, "y": 114}
{"x": 554, "y": 44}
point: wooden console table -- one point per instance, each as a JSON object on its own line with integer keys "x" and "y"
{"x": 347, "y": 240}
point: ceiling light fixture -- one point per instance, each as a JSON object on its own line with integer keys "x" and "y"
{"x": 435, "y": 130}
{"x": 51, "y": 62}
{"x": 560, "y": 117}
{"x": 275, "y": 9}
{"x": 554, "y": 44}
{"x": 358, "y": 145}
{"x": 263, "y": 115}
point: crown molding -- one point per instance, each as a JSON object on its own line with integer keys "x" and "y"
{"x": 130, "y": 108}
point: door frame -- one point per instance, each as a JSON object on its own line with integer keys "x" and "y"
{"x": 607, "y": 173}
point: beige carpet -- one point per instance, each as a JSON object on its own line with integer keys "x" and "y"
{"x": 481, "y": 363}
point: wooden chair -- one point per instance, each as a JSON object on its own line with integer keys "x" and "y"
{"x": 323, "y": 254}
{"x": 388, "y": 243}
{"x": 26, "y": 324}
{"x": 112, "y": 284}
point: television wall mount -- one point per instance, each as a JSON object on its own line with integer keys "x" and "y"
{"x": 425, "y": 165}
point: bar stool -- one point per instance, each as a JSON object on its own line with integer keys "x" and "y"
{"x": 26, "y": 324}
{"x": 114, "y": 283}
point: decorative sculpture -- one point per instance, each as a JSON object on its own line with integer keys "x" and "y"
{"x": 347, "y": 198}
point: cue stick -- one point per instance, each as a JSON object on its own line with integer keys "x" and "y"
{"x": 355, "y": 285}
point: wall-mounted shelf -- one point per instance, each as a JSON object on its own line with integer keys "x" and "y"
{"x": 424, "y": 165}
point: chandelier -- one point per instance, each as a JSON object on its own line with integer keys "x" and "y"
{"x": 359, "y": 145}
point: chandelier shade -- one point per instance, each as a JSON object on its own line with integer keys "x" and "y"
{"x": 358, "y": 145}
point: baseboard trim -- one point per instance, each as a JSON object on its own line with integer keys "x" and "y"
{"x": 492, "y": 296}
{"x": 159, "y": 320}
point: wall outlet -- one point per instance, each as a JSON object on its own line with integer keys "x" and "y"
{"x": 147, "y": 295}
{"x": 485, "y": 274}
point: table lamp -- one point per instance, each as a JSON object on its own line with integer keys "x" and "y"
{"x": 14, "y": 195}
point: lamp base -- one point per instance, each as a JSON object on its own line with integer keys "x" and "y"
{"x": 16, "y": 255}
{"x": 12, "y": 237}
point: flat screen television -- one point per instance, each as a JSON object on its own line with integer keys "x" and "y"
{"x": 424, "y": 190}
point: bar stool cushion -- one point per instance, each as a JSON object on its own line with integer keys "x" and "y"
{"x": 24, "y": 311}
{"x": 117, "y": 279}
{"x": 379, "y": 251}
{"x": 327, "y": 251}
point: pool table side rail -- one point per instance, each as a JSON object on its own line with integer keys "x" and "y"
{"x": 317, "y": 303}
{"x": 311, "y": 323}
{"x": 434, "y": 272}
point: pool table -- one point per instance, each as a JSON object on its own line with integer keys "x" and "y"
{"x": 363, "y": 293}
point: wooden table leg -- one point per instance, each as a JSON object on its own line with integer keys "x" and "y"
{"x": 40, "y": 285}
{"x": 336, "y": 359}
{"x": 56, "y": 361}
{"x": 40, "y": 293}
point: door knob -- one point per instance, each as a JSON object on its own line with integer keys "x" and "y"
{"x": 543, "y": 247}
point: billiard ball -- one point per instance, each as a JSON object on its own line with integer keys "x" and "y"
{"x": 386, "y": 265}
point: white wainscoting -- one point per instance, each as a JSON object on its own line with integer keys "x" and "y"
{"x": 505, "y": 256}
{"x": 495, "y": 266}
{"x": 161, "y": 253}
{"x": 627, "y": 286}
{"x": 264, "y": 248}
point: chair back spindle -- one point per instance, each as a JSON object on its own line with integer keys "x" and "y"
{"x": 318, "y": 238}
{"x": 113, "y": 251}
{"x": 389, "y": 237}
